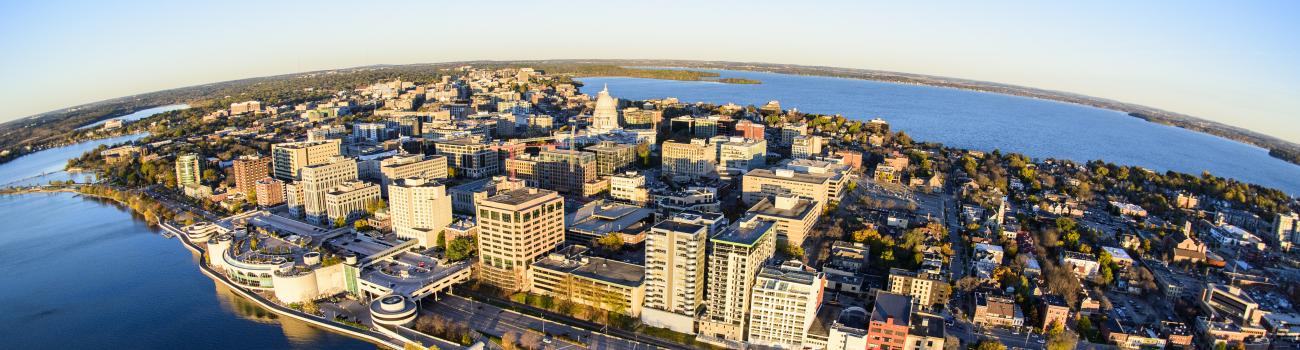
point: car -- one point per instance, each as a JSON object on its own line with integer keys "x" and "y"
{"x": 1040, "y": 341}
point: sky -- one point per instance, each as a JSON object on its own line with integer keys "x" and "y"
{"x": 1233, "y": 62}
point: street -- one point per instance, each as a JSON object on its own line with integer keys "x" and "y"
{"x": 496, "y": 321}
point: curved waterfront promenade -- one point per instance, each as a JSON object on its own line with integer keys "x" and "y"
{"x": 378, "y": 338}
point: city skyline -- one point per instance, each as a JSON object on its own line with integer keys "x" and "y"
{"x": 1222, "y": 62}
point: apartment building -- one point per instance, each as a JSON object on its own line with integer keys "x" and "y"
{"x": 921, "y": 286}
{"x": 629, "y": 187}
{"x": 750, "y": 130}
{"x": 270, "y": 192}
{"x": 516, "y": 227}
{"x": 464, "y": 196}
{"x": 784, "y": 305}
{"x": 674, "y": 274}
{"x": 188, "y": 171}
{"x": 739, "y": 155}
{"x": 808, "y": 146}
{"x": 247, "y": 170}
{"x": 995, "y": 311}
{"x": 565, "y": 171}
{"x": 889, "y": 322}
{"x": 735, "y": 256}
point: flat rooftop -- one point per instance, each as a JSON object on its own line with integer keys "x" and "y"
{"x": 520, "y": 196}
{"x": 674, "y": 226}
{"x": 767, "y": 207}
{"x": 746, "y": 233}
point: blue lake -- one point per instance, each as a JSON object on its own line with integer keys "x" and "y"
{"x": 984, "y": 121}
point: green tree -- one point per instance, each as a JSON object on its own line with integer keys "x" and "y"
{"x": 610, "y": 242}
{"x": 442, "y": 240}
{"x": 989, "y": 344}
{"x": 461, "y": 248}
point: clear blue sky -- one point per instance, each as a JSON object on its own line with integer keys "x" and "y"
{"x": 1236, "y": 62}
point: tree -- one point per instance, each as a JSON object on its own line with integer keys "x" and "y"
{"x": 611, "y": 242}
{"x": 866, "y": 235}
{"x": 461, "y": 248}
{"x": 989, "y": 344}
{"x": 442, "y": 240}
{"x": 1061, "y": 339}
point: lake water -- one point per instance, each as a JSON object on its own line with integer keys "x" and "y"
{"x": 84, "y": 273}
{"x": 139, "y": 114}
{"x": 984, "y": 121}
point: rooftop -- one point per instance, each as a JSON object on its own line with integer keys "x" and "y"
{"x": 893, "y": 308}
{"x": 786, "y": 208}
{"x": 520, "y": 196}
{"x": 745, "y": 232}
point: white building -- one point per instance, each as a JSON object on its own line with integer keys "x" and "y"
{"x": 784, "y": 305}
{"x": 420, "y": 209}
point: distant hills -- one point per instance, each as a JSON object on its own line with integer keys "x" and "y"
{"x": 46, "y": 128}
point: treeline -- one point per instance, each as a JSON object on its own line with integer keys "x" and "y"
{"x": 51, "y": 128}
{"x": 609, "y": 70}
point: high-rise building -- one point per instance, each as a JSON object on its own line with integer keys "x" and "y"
{"x": 784, "y": 305}
{"x": 517, "y": 227}
{"x": 248, "y": 170}
{"x": 411, "y": 165}
{"x": 419, "y": 208}
{"x": 750, "y": 130}
{"x": 464, "y": 196}
{"x": 569, "y": 172}
{"x": 469, "y": 158}
{"x": 612, "y": 157}
{"x": 735, "y": 256}
{"x": 821, "y": 181}
{"x": 1286, "y": 229}
{"x": 188, "y": 172}
{"x": 289, "y": 158}
{"x": 674, "y": 274}
{"x": 696, "y": 159}
{"x": 349, "y": 200}
{"x": 605, "y": 118}
{"x": 794, "y": 216}
{"x": 319, "y": 179}
{"x": 270, "y": 192}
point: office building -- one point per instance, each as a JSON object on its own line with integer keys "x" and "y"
{"x": 794, "y": 216}
{"x": 319, "y": 179}
{"x": 613, "y": 157}
{"x": 469, "y": 158}
{"x": 740, "y": 155}
{"x": 821, "y": 181}
{"x": 806, "y": 146}
{"x": 570, "y": 275}
{"x": 784, "y": 305}
{"x": 696, "y": 159}
{"x": 348, "y": 201}
{"x": 248, "y": 170}
{"x": 420, "y": 208}
{"x": 735, "y": 256}
{"x": 629, "y": 187}
{"x": 411, "y": 165}
{"x": 517, "y": 227}
{"x": 569, "y": 172}
{"x": 464, "y": 196}
{"x": 287, "y": 159}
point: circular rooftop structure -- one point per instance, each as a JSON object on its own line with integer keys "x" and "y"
{"x": 392, "y": 310}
